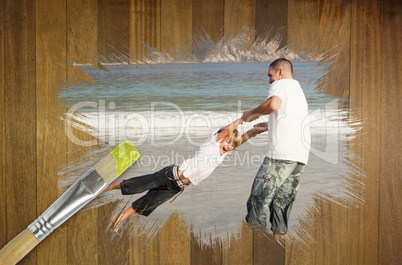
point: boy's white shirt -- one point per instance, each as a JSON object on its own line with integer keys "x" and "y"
{"x": 204, "y": 162}
{"x": 289, "y": 131}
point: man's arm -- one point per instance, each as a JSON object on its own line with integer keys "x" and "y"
{"x": 270, "y": 105}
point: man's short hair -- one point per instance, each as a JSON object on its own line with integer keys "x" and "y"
{"x": 282, "y": 63}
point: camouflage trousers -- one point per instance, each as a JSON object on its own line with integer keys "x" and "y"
{"x": 274, "y": 189}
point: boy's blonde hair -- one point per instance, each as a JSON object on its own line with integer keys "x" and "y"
{"x": 234, "y": 136}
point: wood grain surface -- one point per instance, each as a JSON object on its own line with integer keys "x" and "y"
{"x": 271, "y": 20}
{"x": 20, "y": 118}
{"x": 358, "y": 41}
{"x": 267, "y": 250}
{"x": 302, "y": 30}
{"x": 82, "y": 34}
{"x": 174, "y": 241}
{"x": 334, "y": 46}
{"x": 331, "y": 246}
{"x": 113, "y": 30}
{"x": 365, "y": 86}
{"x": 170, "y": 245}
{"x": 208, "y": 18}
{"x": 204, "y": 250}
{"x": 112, "y": 249}
{"x": 145, "y": 28}
{"x": 51, "y": 140}
{"x": 81, "y": 47}
{"x": 390, "y": 206}
{"x": 301, "y": 244}
{"x": 3, "y": 206}
{"x": 176, "y": 34}
{"x": 239, "y": 15}
{"x": 238, "y": 248}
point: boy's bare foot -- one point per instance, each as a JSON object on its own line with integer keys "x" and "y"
{"x": 280, "y": 238}
{"x": 113, "y": 219}
{"x": 113, "y": 186}
{"x": 116, "y": 220}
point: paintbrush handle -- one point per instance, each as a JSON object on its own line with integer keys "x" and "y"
{"x": 18, "y": 247}
{"x": 72, "y": 200}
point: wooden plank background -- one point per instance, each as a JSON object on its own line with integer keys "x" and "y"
{"x": 363, "y": 222}
{"x": 239, "y": 15}
{"x": 50, "y": 61}
{"x": 176, "y": 34}
{"x": 303, "y": 18}
{"x": 113, "y": 27}
{"x": 390, "y": 219}
{"x": 211, "y": 25}
{"x": 358, "y": 41}
{"x": 3, "y": 212}
{"x": 81, "y": 47}
{"x": 271, "y": 18}
{"x": 20, "y": 118}
{"x": 145, "y": 27}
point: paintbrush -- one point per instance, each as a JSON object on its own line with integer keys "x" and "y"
{"x": 87, "y": 187}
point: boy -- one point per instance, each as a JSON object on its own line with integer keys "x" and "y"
{"x": 172, "y": 180}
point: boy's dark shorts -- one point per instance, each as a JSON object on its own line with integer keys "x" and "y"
{"x": 161, "y": 187}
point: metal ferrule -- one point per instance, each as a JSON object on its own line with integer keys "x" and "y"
{"x": 77, "y": 196}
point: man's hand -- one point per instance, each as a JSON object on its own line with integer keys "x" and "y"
{"x": 257, "y": 129}
{"x": 252, "y": 133}
{"x": 261, "y": 127}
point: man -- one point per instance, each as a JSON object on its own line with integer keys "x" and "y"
{"x": 275, "y": 185}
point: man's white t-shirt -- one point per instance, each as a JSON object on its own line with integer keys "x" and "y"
{"x": 288, "y": 127}
{"x": 203, "y": 163}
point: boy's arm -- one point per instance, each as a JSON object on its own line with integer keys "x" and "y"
{"x": 257, "y": 129}
{"x": 228, "y": 129}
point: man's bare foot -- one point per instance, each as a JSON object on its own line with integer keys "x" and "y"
{"x": 280, "y": 238}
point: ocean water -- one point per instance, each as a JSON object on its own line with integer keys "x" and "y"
{"x": 192, "y": 87}
{"x": 167, "y": 111}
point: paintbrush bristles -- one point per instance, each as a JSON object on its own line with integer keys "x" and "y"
{"x": 107, "y": 168}
{"x": 117, "y": 161}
